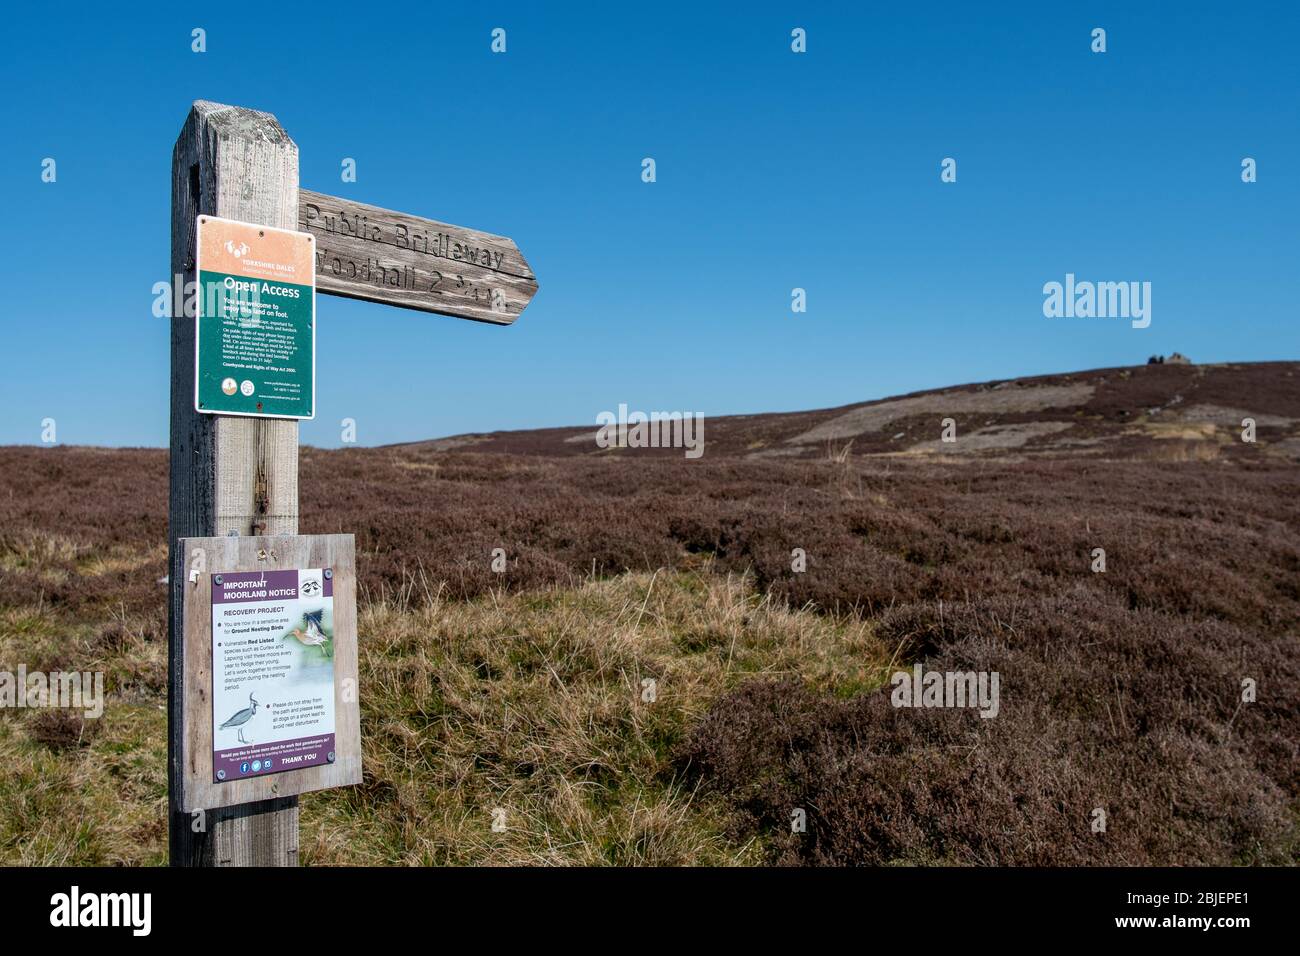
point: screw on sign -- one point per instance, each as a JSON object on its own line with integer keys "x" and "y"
{"x": 258, "y": 249}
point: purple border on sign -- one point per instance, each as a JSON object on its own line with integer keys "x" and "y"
{"x": 255, "y": 587}
{"x": 283, "y": 755}
{"x": 242, "y": 587}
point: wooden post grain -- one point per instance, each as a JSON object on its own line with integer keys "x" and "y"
{"x": 229, "y": 475}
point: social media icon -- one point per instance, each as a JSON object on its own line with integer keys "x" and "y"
{"x": 243, "y": 767}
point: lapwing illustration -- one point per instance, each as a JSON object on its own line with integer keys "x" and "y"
{"x": 241, "y": 718}
{"x": 311, "y": 634}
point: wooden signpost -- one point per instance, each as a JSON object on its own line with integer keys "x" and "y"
{"x": 365, "y": 252}
{"x": 236, "y": 475}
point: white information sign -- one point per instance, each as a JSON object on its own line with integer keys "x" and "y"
{"x": 272, "y": 672}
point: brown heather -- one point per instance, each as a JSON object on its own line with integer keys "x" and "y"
{"x": 1119, "y": 691}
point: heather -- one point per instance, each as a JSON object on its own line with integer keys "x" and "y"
{"x": 1121, "y": 691}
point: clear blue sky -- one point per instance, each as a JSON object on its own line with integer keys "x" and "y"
{"x": 775, "y": 170}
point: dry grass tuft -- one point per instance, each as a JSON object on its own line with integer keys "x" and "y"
{"x": 530, "y": 703}
{"x": 534, "y": 705}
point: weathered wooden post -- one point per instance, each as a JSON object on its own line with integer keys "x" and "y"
{"x": 229, "y": 475}
{"x": 234, "y": 470}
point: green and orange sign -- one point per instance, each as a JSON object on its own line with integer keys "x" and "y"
{"x": 255, "y": 331}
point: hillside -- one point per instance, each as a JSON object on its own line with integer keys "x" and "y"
{"x": 1113, "y": 412}
{"x": 1121, "y": 689}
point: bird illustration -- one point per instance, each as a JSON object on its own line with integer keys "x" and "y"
{"x": 311, "y": 634}
{"x": 241, "y": 718}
